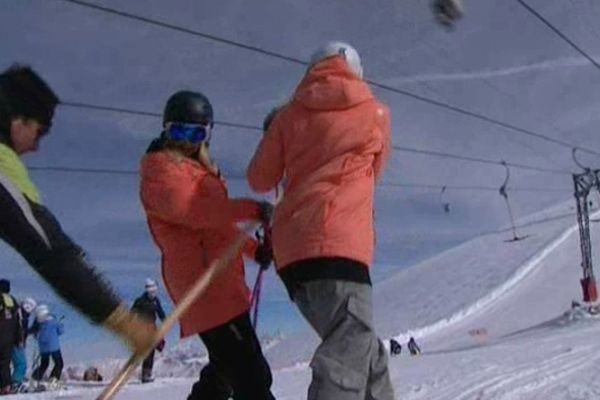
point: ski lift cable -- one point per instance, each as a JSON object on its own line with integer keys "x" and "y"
{"x": 257, "y": 128}
{"x": 480, "y": 160}
{"x": 106, "y": 171}
{"x": 129, "y": 111}
{"x": 98, "y": 171}
{"x": 188, "y": 31}
{"x": 469, "y": 187}
{"x": 297, "y": 61}
{"x": 558, "y": 32}
{"x": 398, "y": 148}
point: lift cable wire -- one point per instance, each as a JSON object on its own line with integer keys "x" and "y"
{"x": 294, "y": 60}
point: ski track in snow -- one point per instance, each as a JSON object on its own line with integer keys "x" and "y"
{"x": 524, "y": 379}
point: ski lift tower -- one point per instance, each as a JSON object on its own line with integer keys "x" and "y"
{"x": 584, "y": 183}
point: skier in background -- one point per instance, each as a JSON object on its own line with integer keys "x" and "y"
{"x": 330, "y": 143}
{"x": 19, "y": 356}
{"x": 413, "y": 347}
{"x": 47, "y": 330}
{"x": 193, "y": 220}
{"x": 395, "y": 347}
{"x": 148, "y": 306}
{"x": 27, "y": 106}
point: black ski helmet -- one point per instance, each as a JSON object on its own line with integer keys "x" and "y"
{"x": 189, "y": 107}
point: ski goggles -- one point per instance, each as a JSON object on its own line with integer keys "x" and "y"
{"x": 193, "y": 133}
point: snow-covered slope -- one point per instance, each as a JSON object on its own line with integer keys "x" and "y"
{"x": 513, "y": 294}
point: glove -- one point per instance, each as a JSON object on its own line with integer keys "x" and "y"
{"x": 161, "y": 345}
{"x": 265, "y": 211}
{"x": 264, "y": 255}
{"x": 138, "y": 333}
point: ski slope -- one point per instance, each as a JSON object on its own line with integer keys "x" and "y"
{"x": 518, "y": 293}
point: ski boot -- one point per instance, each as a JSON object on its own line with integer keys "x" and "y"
{"x": 55, "y": 384}
{"x": 37, "y": 386}
{"x": 17, "y": 388}
{"x": 147, "y": 376}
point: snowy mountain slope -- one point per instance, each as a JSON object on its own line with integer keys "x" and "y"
{"x": 532, "y": 352}
{"x": 474, "y": 276}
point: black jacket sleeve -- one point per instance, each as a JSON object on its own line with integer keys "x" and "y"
{"x": 32, "y": 230}
{"x": 159, "y": 310}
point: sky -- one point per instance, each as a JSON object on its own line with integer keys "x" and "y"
{"x": 499, "y": 62}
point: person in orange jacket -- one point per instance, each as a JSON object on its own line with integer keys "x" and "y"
{"x": 193, "y": 220}
{"x": 330, "y": 143}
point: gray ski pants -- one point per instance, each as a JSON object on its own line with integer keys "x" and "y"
{"x": 351, "y": 362}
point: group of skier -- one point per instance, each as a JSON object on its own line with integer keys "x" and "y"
{"x": 15, "y": 327}
{"x": 324, "y": 148}
{"x": 396, "y": 347}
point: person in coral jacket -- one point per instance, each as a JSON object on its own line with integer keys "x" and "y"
{"x": 330, "y": 143}
{"x": 193, "y": 220}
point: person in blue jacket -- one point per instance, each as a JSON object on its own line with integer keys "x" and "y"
{"x": 47, "y": 331}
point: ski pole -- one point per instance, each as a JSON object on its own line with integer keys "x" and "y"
{"x": 256, "y": 291}
{"x": 200, "y": 286}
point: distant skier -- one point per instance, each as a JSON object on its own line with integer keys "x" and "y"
{"x": 19, "y": 356}
{"x": 395, "y": 347}
{"x": 27, "y": 107}
{"x": 10, "y": 333}
{"x": 47, "y": 330}
{"x": 413, "y": 347}
{"x": 330, "y": 142}
{"x": 148, "y": 306}
{"x": 192, "y": 220}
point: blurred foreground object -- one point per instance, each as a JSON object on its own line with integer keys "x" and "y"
{"x": 447, "y": 12}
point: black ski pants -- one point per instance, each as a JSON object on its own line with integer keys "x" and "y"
{"x": 56, "y": 356}
{"x": 237, "y": 367}
{"x": 148, "y": 364}
{"x": 8, "y": 338}
{"x": 5, "y": 357}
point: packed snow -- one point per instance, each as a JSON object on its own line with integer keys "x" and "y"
{"x": 494, "y": 320}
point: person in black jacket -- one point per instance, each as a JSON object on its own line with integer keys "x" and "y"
{"x": 395, "y": 347}
{"x": 413, "y": 347}
{"x": 19, "y": 357}
{"x": 10, "y": 333}
{"x": 148, "y": 306}
{"x": 27, "y": 105}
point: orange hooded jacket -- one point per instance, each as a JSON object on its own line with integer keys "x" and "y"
{"x": 192, "y": 221}
{"x": 330, "y": 143}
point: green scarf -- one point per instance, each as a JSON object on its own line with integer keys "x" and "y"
{"x": 12, "y": 167}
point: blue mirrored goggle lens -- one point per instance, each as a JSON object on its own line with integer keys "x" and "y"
{"x": 189, "y": 133}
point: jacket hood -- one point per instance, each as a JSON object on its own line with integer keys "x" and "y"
{"x": 331, "y": 85}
